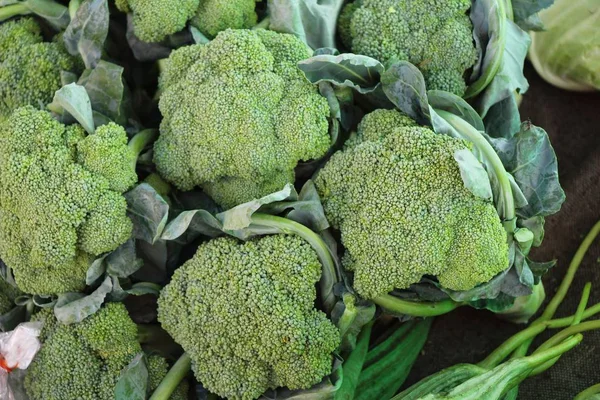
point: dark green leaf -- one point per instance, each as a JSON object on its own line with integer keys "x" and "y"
{"x": 474, "y": 176}
{"x": 73, "y": 308}
{"x": 531, "y": 23}
{"x": 524, "y": 9}
{"x": 142, "y": 288}
{"x": 96, "y": 270}
{"x": 198, "y": 221}
{"x": 56, "y": 14}
{"x": 149, "y": 212}
{"x": 74, "y": 99}
{"x": 540, "y": 268}
{"x": 133, "y": 381}
{"x": 123, "y": 261}
{"x": 108, "y": 94}
{"x": 359, "y": 72}
{"x": 313, "y": 21}
{"x": 12, "y": 318}
{"x": 404, "y": 85}
{"x": 503, "y": 118}
{"x": 87, "y": 32}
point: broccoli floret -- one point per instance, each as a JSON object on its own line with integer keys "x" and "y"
{"x": 397, "y": 197}
{"x": 238, "y": 116}
{"x": 214, "y": 16}
{"x": 8, "y": 293}
{"x": 435, "y": 36}
{"x": 245, "y": 313}
{"x": 55, "y": 214}
{"x": 29, "y": 68}
{"x": 154, "y": 20}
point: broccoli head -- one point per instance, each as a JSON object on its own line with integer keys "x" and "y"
{"x": 214, "y": 16}
{"x": 238, "y": 115}
{"x": 30, "y": 69}
{"x": 245, "y": 313}
{"x": 436, "y": 36}
{"x": 396, "y": 195}
{"x": 57, "y": 208}
{"x": 154, "y": 20}
{"x": 84, "y": 361}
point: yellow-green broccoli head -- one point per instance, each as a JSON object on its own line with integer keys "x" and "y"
{"x": 238, "y": 116}
{"x": 214, "y": 16}
{"x": 397, "y": 197}
{"x": 245, "y": 313}
{"x": 435, "y": 36}
{"x": 55, "y": 214}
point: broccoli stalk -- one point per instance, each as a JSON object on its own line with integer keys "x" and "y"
{"x": 45, "y": 8}
{"x": 173, "y": 378}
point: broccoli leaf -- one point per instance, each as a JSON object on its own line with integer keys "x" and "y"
{"x": 524, "y": 10}
{"x": 535, "y": 225}
{"x": 361, "y": 73}
{"x": 133, "y": 380}
{"x": 56, "y": 14}
{"x": 73, "y": 308}
{"x": 530, "y": 158}
{"x": 404, "y": 85}
{"x": 313, "y": 21}
{"x": 87, "y": 32}
{"x": 503, "y": 118}
{"x": 474, "y": 176}
{"x": 12, "y": 318}
{"x": 149, "y": 212}
{"x": 75, "y": 100}
{"x": 96, "y": 270}
{"x": 108, "y": 94}
{"x": 123, "y": 261}
{"x": 441, "y": 100}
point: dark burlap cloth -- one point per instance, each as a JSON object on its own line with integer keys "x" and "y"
{"x": 573, "y": 122}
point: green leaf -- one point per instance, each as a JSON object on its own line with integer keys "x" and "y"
{"x": 503, "y": 118}
{"x": 12, "y": 318}
{"x": 123, "y": 261}
{"x": 524, "y": 9}
{"x": 404, "y": 86}
{"x": 149, "y": 212}
{"x": 196, "y": 221}
{"x": 87, "y": 32}
{"x": 441, "y": 100}
{"x": 107, "y": 91}
{"x": 358, "y": 72}
{"x": 313, "y": 21}
{"x": 96, "y": 270}
{"x": 239, "y": 217}
{"x": 73, "y": 308}
{"x": 509, "y": 78}
{"x": 198, "y": 37}
{"x": 535, "y": 225}
{"x": 530, "y": 158}
{"x": 133, "y": 381}
{"x": 474, "y": 176}
{"x": 74, "y": 99}
{"x": 142, "y": 288}
{"x": 56, "y": 14}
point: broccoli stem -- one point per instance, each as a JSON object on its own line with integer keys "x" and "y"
{"x": 588, "y": 393}
{"x": 329, "y": 275}
{"x": 415, "y": 309}
{"x": 13, "y": 10}
{"x": 564, "y": 287}
{"x": 73, "y": 7}
{"x": 142, "y": 139}
{"x": 489, "y": 73}
{"x": 264, "y": 24}
{"x": 173, "y": 378}
{"x": 487, "y": 151}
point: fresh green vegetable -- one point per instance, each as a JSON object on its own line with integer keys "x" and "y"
{"x": 84, "y": 361}
{"x": 566, "y": 53}
{"x": 245, "y": 314}
{"x": 238, "y": 116}
{"x": 436, "y": 36}
{"x": 214, "y": 16}
{"x": 61, "y": 201}
{"x": 30, "y": 69}
{"x": 396, "y": 195}
{"x": 55, "y": 13}
{"x": 154, "y": 20}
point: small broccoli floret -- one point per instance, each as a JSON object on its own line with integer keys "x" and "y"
{"x": 397, "y": 197}
{"x": 154, "y": 20}
{"x": 245, "y": 313}
{"x": 435, "y": 36}
{"x": 239, "y": 116}
{"x": 214, "y": 16}
{"x": 106, "y": 153}
{"x": 29, "y": 69}
{"x": 55, "y": 214}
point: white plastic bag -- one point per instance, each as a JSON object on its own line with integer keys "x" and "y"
{"x": 17, "y": 349}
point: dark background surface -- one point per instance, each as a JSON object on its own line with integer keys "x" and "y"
{"x": 466, "y": 335}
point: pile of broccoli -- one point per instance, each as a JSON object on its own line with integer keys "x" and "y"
{"x": 84, "y": 361}
{"x": 61, "y": 201}
{"x": 30, "y": 68}
{"x": 238, "y": 116}
{"x": 396, "y": 194}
